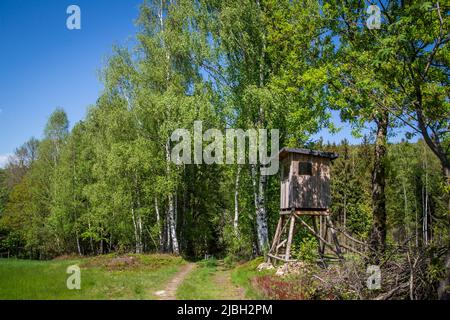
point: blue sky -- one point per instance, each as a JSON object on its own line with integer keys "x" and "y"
{"x": 43, "y": 65}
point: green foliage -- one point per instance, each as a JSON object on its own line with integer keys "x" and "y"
{"x": 306, "y": 250}
{"x": 57, "y": 126}
{"x": 108, "y": 185}
{"x": 351, "y": 188}
{"x": 414, "y": 190}
{"x": 3, "y": 191}
{"x": 238, "y": 246}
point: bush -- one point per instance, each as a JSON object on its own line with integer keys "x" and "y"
{"x": 239, "y": 247}
{"x": 229, "y": 261}
{"x": 208, "y": 263}
{"x": 306, "y": 250}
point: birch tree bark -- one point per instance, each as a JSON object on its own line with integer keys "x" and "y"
{"x": 171, "y": 211}
{"x": 236, "y": 201}
{"x": 261, "y": 216}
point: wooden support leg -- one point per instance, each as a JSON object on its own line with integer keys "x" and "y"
{"x": 325, "y": 233}
{"x": 277, "y": 234}
{"x": 319, "y": 240}
{"x": 318, "y": 231}
{"x": 290, "y": 236}
{"x": 284, "y": 225}
{"x": 276, "y": 238}
{"x": 334, "y": 237}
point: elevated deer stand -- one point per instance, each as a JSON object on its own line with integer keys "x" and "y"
{"x": 305, "y": 198}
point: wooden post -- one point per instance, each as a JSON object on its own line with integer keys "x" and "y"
{"x": 334, "y": 237}
{"x": 276, "y": 238}
{"x": 319, "y": 232}
{"x": 325, "y": 233}
{"x": 277, "y": 234}
{"x": 290, "y": 236}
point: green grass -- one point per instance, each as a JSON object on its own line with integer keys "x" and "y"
{"x": 199, "y": 284}
{"x": 244, "y": 273}
{"x": 102, "y": 277}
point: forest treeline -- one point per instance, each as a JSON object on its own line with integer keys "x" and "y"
{"x": 108, "y": 185}
{"x": 49, "y": 211}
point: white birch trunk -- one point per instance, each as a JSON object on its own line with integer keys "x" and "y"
{"x": 136, "y": 231}
{"x": 261, "y": 216}
{"x": 171, "y": 212}
{"x": 158, "y": 222}
{"x": 172, "y": 226}
{"x": 78, "y": 244}
{"x": 260, "y": 207}
{"x": 236, "y": 201}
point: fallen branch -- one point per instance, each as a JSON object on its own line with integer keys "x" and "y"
{"x": 389, "y": 294}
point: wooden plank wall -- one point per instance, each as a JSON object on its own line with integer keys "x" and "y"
{"x": 286, "y": 164}
{"x": 306, "y": 191}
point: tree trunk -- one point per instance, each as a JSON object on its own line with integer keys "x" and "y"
{"x": 158, "y": 222}
{"x": 78, "y": 244}
{"x": 378, "y": 232}
{"x": 167, "y": 247}
{"x": 236, "y": 201}
{"x": 139, "y": 225}
{"x": 171, "y": 213}
{"x": 260, "y": 208}
{"x": 175, "y": 211}
{"x": 255, "y": 193}
{"x": 261, "y": 212}
{"x": 139, "y": 216}
{"x": 261, "y": 216}
{"x": 172, "y": 226}
{"x": 91, "y": 241}
{"x": 136, "y": 231}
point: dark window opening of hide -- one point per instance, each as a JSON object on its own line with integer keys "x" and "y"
{"x": 305, "y": 168}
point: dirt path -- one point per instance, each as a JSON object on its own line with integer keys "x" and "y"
{"x": 169, "y": 292}
{"x": 227, "y": 289}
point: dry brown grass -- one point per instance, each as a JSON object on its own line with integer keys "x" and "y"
{"x": 114, "y": 262}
